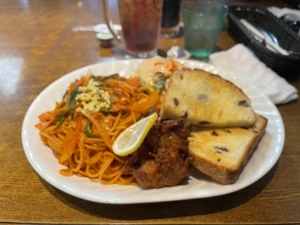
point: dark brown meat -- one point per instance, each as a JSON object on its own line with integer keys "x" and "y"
{"x": 162, "y": 160}
{"x": 152, "y": 110}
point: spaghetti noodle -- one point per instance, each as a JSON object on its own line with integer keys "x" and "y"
{"x": 93, "y": 112}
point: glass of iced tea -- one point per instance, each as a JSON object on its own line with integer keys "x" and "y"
{"x": 140, "y": 21}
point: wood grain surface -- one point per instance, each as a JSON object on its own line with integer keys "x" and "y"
{"x": 37, "y": 46}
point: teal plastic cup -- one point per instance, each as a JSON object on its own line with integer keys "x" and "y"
{"x": 203, "y": 22}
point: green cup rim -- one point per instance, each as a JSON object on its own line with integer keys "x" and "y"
{"x": 186, "y": 7}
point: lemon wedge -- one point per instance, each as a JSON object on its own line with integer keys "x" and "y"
{"x": 132, "y": 138}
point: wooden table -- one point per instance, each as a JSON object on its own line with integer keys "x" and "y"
{"x": 37, "y": 46}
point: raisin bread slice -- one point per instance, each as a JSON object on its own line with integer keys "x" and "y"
{"x": 222, "y": 153}
{"x": 206, "y": 99}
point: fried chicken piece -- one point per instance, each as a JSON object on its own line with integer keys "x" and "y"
{"x": 162, "y": 160}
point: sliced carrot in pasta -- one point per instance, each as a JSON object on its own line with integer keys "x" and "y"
{"x": 133, "y": 82}
{"x": 46, "y": 116}
{"x": 143, "y": 105}
{"x": 117, "y": 108}
{"x": 68, "y": 146}
{"x": 43, "y": 125}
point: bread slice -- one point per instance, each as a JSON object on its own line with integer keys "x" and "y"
{"x": 206, "y": 99}
{"x": 222, "y": 153}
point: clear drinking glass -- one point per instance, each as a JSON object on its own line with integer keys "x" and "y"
{"x": 140, "y": 21}
{"x": 203, "y": 22}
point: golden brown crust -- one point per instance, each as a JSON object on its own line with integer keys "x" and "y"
{"x": 225, "y": 167}
{"x": 206, "y": 99}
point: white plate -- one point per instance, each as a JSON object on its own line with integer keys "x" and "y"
{"x": 46, "y": 165}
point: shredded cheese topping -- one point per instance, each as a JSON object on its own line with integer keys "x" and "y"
{"x": 92, "y": 98}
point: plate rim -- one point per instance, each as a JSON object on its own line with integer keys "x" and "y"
{"x": 49, "y": 180}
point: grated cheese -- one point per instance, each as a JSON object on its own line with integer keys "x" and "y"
{"x": 92, "y": 98}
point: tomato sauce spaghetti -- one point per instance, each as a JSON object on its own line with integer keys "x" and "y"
{"x": 84, "y": 124}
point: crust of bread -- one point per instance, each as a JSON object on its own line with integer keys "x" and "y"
{"x": 223, "y": 153}
{"x": 206, "y": 99}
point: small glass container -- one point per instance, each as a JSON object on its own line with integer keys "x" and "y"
{"x": 105, "y": 39}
